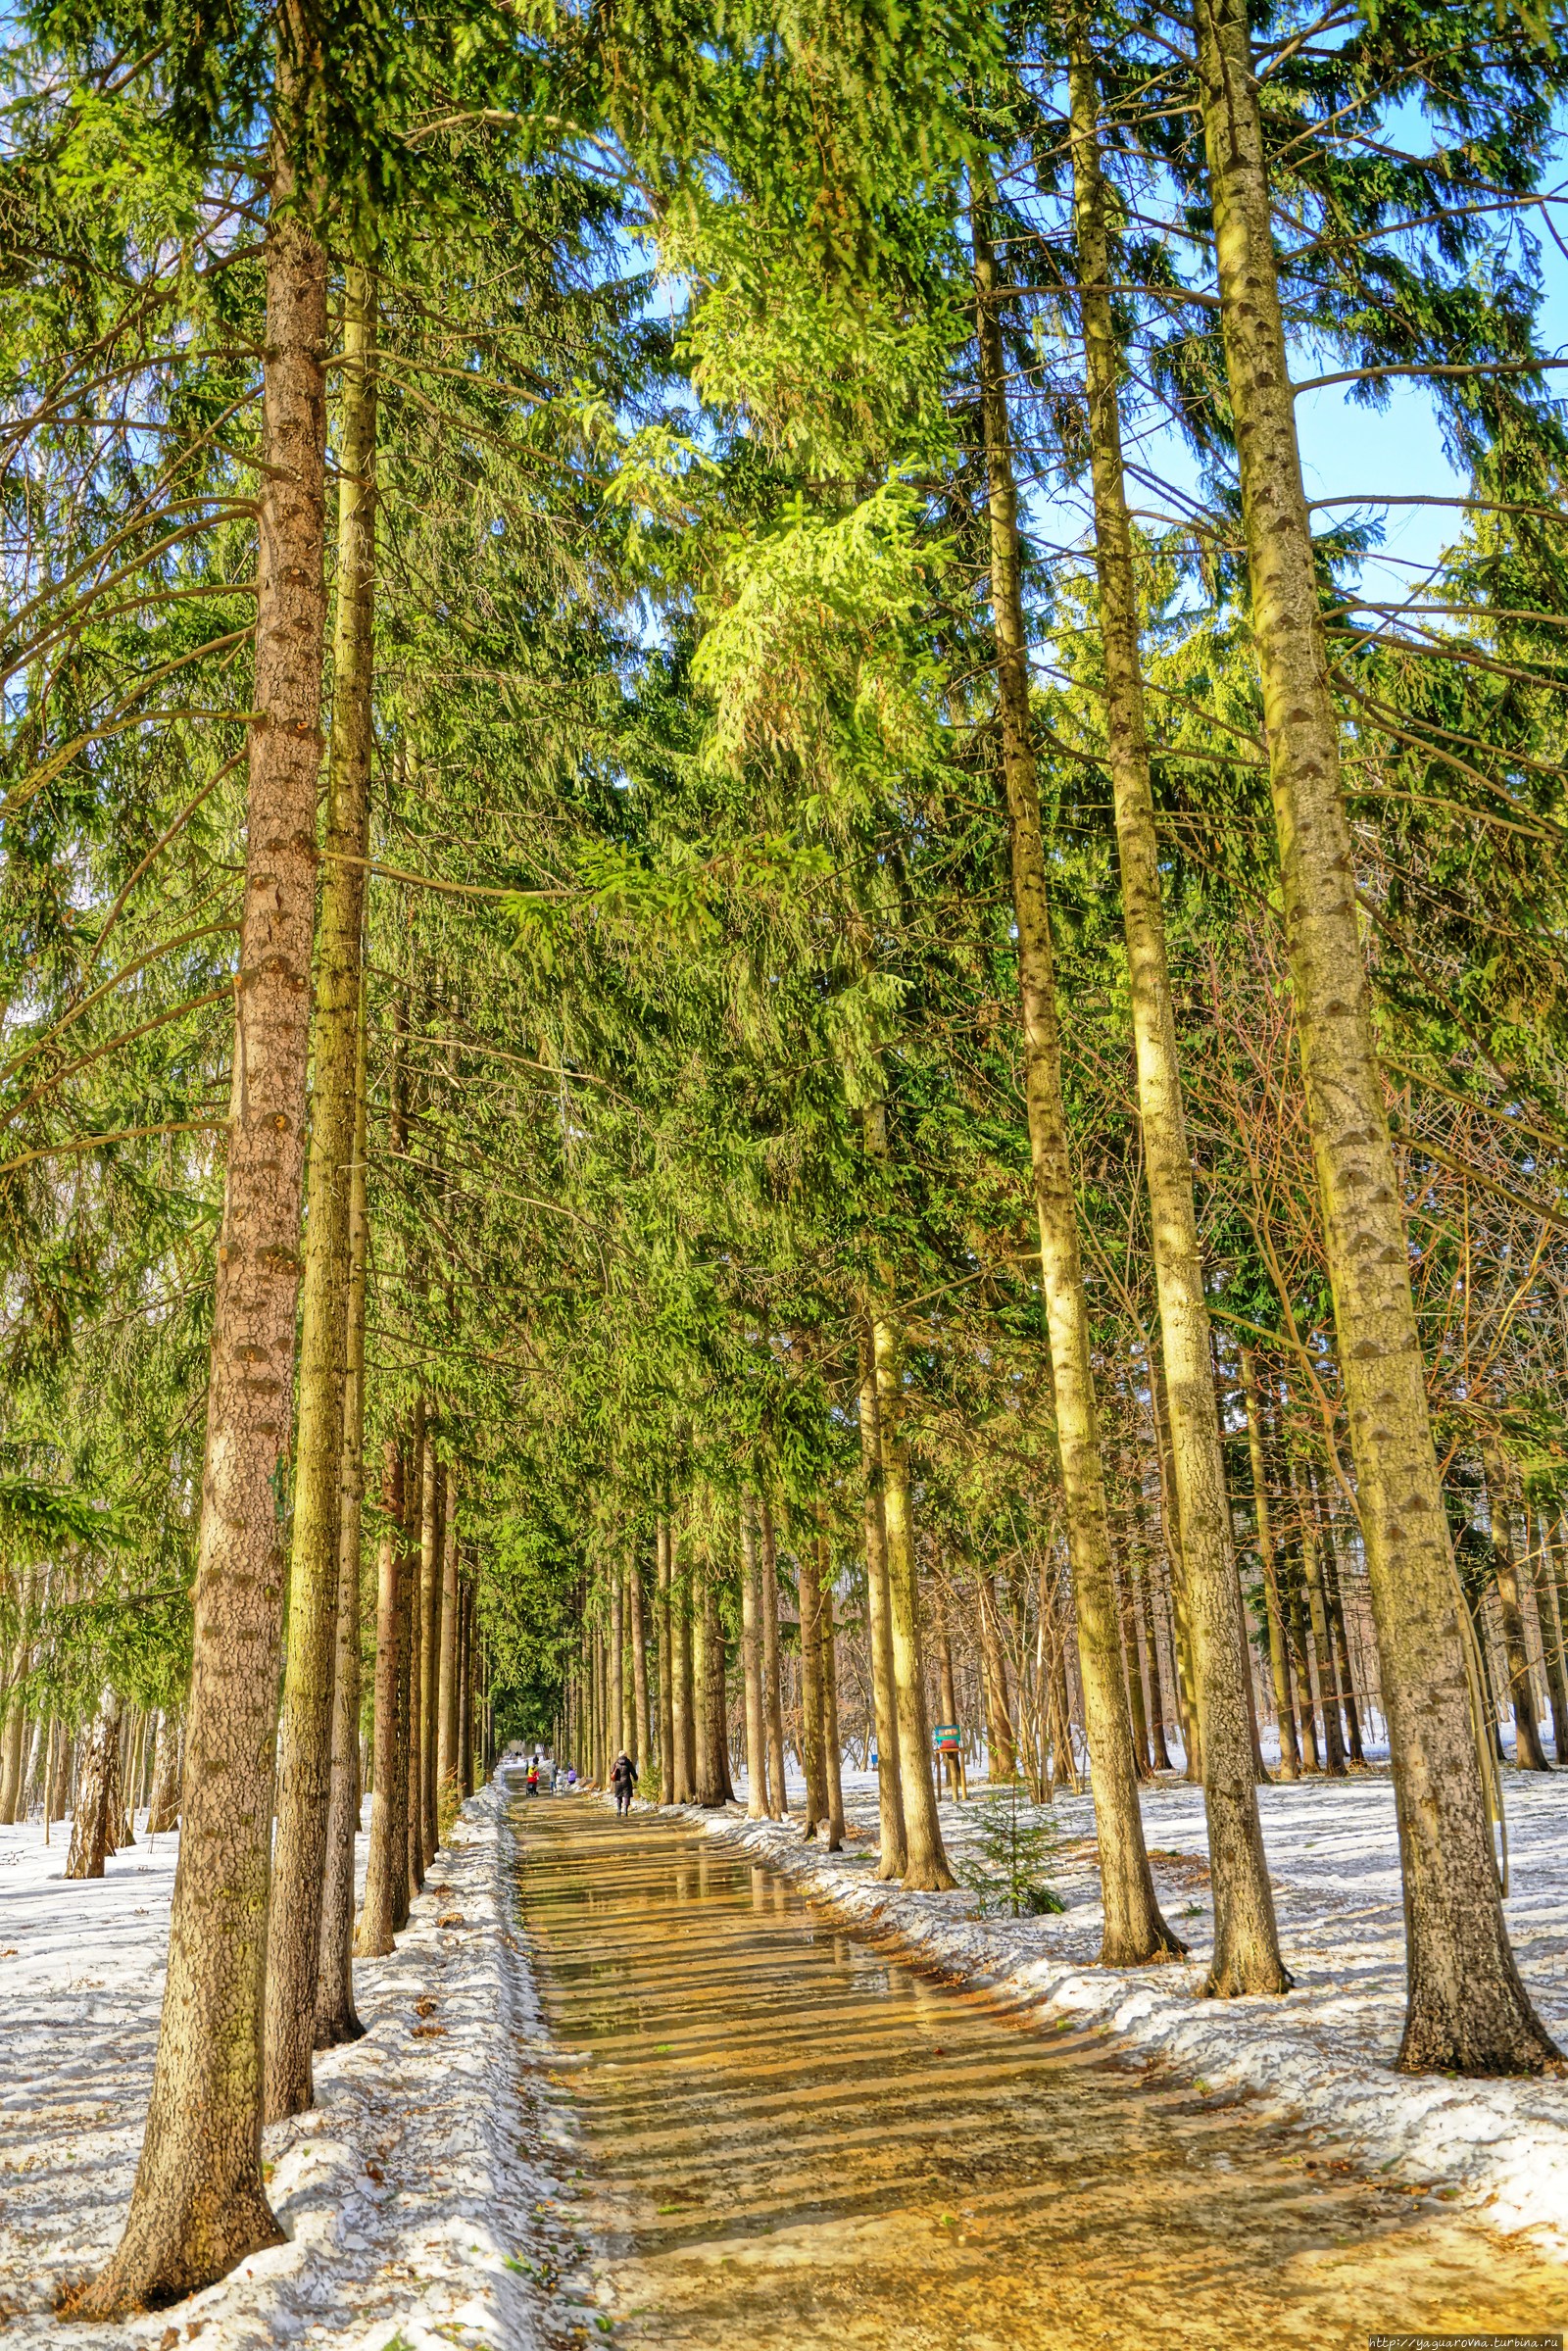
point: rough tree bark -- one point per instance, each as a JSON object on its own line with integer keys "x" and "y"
{"x": 95, "y": 1816}
{"x": 751, "y": 1670}
{"x": 925, "y": 1863}
{"x": 386, "y": 1868}
{"x": 1135, "y": 1930}
{"x": 199, "y": 2204}
{"x": 433, "y": 1537}
{"x": 772, "y": 1685}
{"x": 618, "y": 1739}
{"x": 891, "y": 1854}
{"x": 305, "y": 1739}
{"x": 683, "y": 1759}
{"x": 1549, "y": 1616}
{"x": 813, "y": 1759}
{"x": 1278, "y": 1664}
{"x": 1001, "y": 1762}
{"x": 336, "y": 2018}
{"x": 1468, "y": 2010}
{"x": 637, "y": 1622}
{"x": 832, "y": 1753}
{"x": 666, "y": 1671}
{"x": 163, "y": 1809}
{"x": 446, "y": 1753}
{"x": 1529, "y": 1752}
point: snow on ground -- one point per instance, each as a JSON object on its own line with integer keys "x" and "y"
{"x": 408, "y": 2191}
{"x": 1321, "y": 2057}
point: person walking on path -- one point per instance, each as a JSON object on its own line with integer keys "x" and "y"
{"x": 623, "y": 1778}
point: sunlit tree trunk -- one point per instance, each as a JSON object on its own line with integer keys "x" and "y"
{"x": 891, "y": 1856}
{"x": 432, "y": 1536}
{"x": 751, "y": 1670}
{"x": 95, "y": 1815}
{"x": 1529, "y": 1753}
{"x": 617, "y": 1663}
{"x": 1279, "y": 1669}
{"x": 386, "y": 1868}
{"x": 1134, "y": 1928}
{"x": 951, "y": 1765}
{"x": 668, "y": 1743}
{"x": 305, "y": 1738}
{"x": 833, "y": 1762}
{"x": 163, "y": 1810}
{"x": 1468, "y": 2010}
{"x": 773, "y": 1684}
{"x": 813, "y": 1760}
{"x": 446, "y": 1757}
{"x": 1246, "y": 1956}
{"x": 1549, "y": 1616}
{"x": 993, "y": 1666}
{"x": 336, "y": 2018}
{"x": 637, "y": 1625}
{"x": 199, "y": 2203}
{"x": 925, "y": 1865}
{"x": 466, "y": 1690}
{"x": 685, "y": 1722}
{"x": 415, "y": 1476}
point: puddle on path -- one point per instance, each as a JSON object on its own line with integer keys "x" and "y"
{"x": 789, "y": 2142}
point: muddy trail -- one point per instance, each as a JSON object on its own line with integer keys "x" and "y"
{"x": 792, "y": 2140}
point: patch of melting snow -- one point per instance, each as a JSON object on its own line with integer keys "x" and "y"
{"x": 413, "y": 2193}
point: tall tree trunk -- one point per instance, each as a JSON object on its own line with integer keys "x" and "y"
{"x": 925, "y": 1866}
{"x": 1549, "y": 1616}
{"x": 305, "y": 1741}
{"x": 993, "y": 1666}
{"x": 1135, "y": 1930}
{"x": 199, "y": 2203}
{"x": 772, "y": 1681}
{"x": 1529, "y": 1753}
{"x": 688, "y": 1659}
{"x": 1323, "y": 1646}
{"x": 386, "y": 1868}
{"x": 446, "y": 1756}
{"x": 832, "y": 1752}
{"x": 684, "y": 1694}
{"x": 1289, "y": 1757}
{"x": 433, "y": 1537}
{"x": 14, "y": 1736}
{"x": 336, "y": 2018}
{"x": 1341, "y": 1645}
{"x": 95, "y": 1816}
{"x": 813, "y": 1759}
{"x": 751, "y": 1670}
{"x": 718, "y": 1690}
{"x": 1247, "y": 1955}
{"x": 411, "y": 1748}
{"x": 163, "y": 1810}
{"x": 1147, "y": 1616}
{"x": 642, "y": 1726}
{"x": 617, "y": 1661}
{"x": 466, "y": 1690}
{"x": 951, "y": 1763}
{"x": 1468, "y": 2010}
{"x": 892, "y": 1852}
{"x": 668, "y": 1746}
{"x": 704, "y": 1786}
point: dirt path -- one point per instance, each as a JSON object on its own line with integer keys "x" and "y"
{"x": 791, "y": 2142}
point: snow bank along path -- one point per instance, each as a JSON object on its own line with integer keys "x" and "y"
{"x": 1323, "y": 2056}
{"x": 407, "y": 2192}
